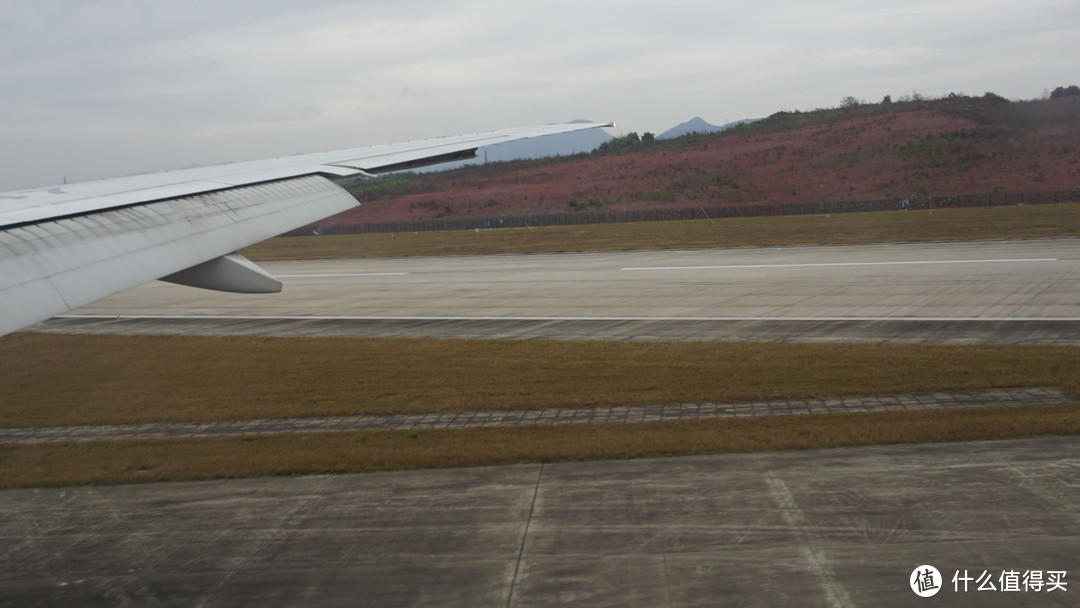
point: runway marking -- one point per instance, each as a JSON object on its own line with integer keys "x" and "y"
{"x": 733, "y": 266}
{"x": 813, "y": 556}
{"x": 609, "y": 319}
{"x": 350, "y": 274}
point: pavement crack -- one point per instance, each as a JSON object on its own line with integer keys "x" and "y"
{"x": 667, "y": 580}
{"x": 213, "y": 595}
{"x": 524, "y": 538}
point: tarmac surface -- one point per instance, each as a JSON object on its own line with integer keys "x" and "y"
{"x": 843, "y": 527}
{"x": 1008, "y": 292}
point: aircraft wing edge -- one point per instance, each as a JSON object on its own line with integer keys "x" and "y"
{"x": 49, "y": 268}
{"x": 43, "y": 204}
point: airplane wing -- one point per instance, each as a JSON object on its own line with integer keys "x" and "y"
{"x": 67, "y": 246}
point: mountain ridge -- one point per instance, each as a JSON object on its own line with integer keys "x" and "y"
{"x": 698, "y": 125}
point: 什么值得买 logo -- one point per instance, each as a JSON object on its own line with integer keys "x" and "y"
{"x": 925, "y": 581}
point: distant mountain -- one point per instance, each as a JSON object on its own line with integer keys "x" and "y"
{"x": 561, "y": 144}
{"x": 698, "y": 125}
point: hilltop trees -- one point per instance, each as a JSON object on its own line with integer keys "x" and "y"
{"x": 1068, "y": 91}
{"x": 627, "y": 142}
{"x": 851, "y": 102}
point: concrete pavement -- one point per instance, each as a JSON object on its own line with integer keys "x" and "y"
{"x": 842, "y": 527}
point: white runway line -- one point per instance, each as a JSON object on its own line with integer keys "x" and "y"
{"x": 608, "y": 319}
{"x": 350, "y": 274}
{"x": 733, "y": 266}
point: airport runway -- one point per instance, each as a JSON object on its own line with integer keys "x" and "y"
{"x": 842, "y": 527}
{"x": 1013, "y": 292}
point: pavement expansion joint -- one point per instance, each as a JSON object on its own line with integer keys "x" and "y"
{"x": 545, "y": 416}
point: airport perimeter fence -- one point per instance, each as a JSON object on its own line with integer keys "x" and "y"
{"x": 601, "y": 216}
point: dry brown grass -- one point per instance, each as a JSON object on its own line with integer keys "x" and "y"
{"x": 1036, "y": 221}
{"x": 56, "y": 379}
{"x": 48, "y": 379}
{"x": 142, "y": 461}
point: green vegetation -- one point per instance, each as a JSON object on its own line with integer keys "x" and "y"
{"x": 1035, "y": 221}
{"x": 1069, "y": 91}
{"x": 627, "y": 142}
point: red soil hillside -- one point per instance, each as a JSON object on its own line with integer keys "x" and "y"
{"x": 948, "y": 147}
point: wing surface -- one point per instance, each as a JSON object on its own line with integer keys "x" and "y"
{"x": 67, "y": 246}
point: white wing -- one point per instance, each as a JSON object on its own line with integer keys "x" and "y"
{"x": 67, "y": 246}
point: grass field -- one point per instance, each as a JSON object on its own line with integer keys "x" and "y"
{"x": 971, "y": 223}
{"x": 48, "y": 379}
{"x": 51, "y": 379}
{"x": 177, "y": 459}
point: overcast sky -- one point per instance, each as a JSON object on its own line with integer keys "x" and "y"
{"x": 102, "y": 88}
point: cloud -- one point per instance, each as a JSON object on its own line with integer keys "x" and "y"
{"x": 94, "y": 88}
